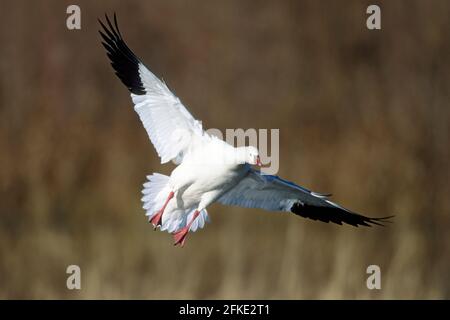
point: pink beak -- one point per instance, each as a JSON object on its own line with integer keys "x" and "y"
{"x": 258, "y": 162}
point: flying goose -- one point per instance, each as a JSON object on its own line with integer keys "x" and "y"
{"x": 208, "y": 169}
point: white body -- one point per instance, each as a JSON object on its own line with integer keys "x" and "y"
{"x": 206, "y": 173}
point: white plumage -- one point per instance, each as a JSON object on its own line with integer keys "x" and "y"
{"x": 155, "y": 192}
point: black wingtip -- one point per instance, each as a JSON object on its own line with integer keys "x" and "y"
{"x": 337, "y": 215}
{"x": 123, "y": 60}
{"x": 382, "y": 222}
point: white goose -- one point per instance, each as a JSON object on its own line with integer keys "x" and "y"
{"x": 209, "y": 169}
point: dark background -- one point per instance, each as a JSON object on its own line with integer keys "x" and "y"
{"x": 362, "y": 114}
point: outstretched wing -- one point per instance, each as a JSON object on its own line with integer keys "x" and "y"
{"x": 170, "y": 126}
{"x": 275, "y": 194}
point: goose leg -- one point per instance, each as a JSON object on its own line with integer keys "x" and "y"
{"x": 157, "y": 218}
{"x": 180, "y": 236}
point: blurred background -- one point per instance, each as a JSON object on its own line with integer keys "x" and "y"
{"x": 362, "y": 114}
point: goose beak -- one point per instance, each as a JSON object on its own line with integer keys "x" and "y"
{"x": 258, "y": 162}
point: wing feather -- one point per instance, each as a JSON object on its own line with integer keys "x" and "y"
{"x": 275, "y": 194}
{"x": 169, "y": 125}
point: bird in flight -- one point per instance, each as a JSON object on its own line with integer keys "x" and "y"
{"x": 208, "y": 169}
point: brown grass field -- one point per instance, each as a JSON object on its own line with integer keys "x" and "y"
{"x": 362, "y": 114}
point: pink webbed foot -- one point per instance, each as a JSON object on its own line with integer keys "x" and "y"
{"x": 157, "y": 218}
{"x": 179, "y": 237}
